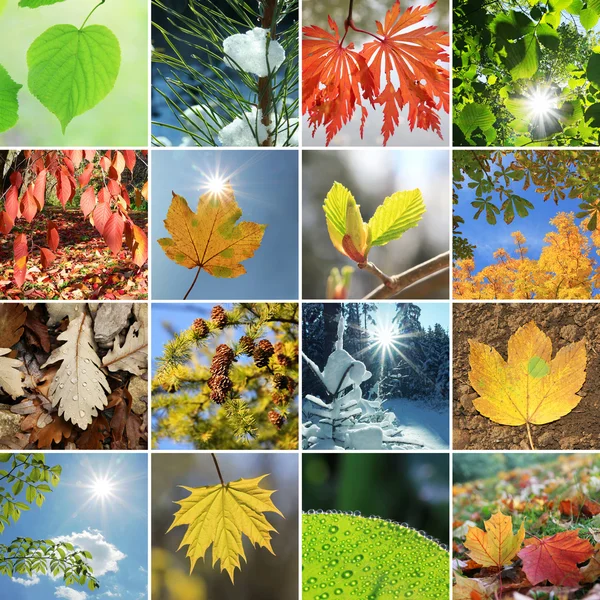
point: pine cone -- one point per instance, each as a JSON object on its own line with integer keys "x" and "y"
{"x": 280, "y": 399}
{"x": 200, "y": 328}
{"x": 281, "y": 382}
{"x": 247, "y": 345}
{"x": 218, "y": 396}
{"x": 283, "y": 360}
{"x": 220, "y": 382}
{"x": 262, "y": 353}
{"x": 221, "y": 362}
{"x": 277, "y": 419}
{"x": 219, "y": 316}
{"x": 279, "y": 347}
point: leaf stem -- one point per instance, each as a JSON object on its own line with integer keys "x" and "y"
{"x": 91, "y": 13}
{"x": 217, "y": 467}
{"x": 193, "y": 283}
{"x": 529, "y": 435}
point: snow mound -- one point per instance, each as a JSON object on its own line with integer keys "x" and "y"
{"x": 245, "y": 130}
{"x": 248, "y": 52}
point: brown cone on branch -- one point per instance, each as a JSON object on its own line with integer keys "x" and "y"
{"x": 218, "y": 396}
{"x": 279, "y": 348}
{"x": 262, "y": 353}
{"x": 221, "y": 362}
{"x": 283, "y": 360}
{"x": 247, "y": 345}
{"x": 277, "y": 419}
{"x": 218, "y": 316}
{"x": 220, "y": 382}
{"x": 200, "y": 328}
{"x": 280, "y": 399}
{"x": 281, "y": 382}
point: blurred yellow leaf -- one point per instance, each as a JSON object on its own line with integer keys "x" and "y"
{"x": 219, "y": 515}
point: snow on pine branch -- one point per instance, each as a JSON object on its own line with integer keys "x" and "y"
{"x": 248, "y": 52}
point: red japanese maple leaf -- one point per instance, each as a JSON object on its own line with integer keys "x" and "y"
{"x": 398, "y": 68}
{"x": 334, "y": 79}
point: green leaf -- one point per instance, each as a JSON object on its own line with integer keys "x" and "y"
{"x": 588, "y": 18}
{"x": 538, "y": 367}
{"x": 37, "y": 3}
{"x": 398, "y": 213}
{"x": 351, "y": 556}
{"x": 593, "y": 114}
{"x": 9, "y": 105}
{"x": 593, "y": 222}
{"x": 5, "y": 456}
{"x": 17, "y": 487}
{"x": 548, "y": 36}
{"x": 335, "y": 208}
{"x": 71, "y": 70}
{"x": 475, "y": 116}
{"x": 593, "y": 69}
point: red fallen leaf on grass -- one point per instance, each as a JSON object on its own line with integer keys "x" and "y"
{"x": 87, "y": 202}
{"x": 48, "y": 257}
{"x": 579, "y": 506}
{"x": 20, "y": 252}
{"x": 52, "y": 237}
{"x": 555, "y": 558}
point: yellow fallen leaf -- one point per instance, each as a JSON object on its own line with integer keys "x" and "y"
{"x": 497, "y": 545}
{"x": 530, "y": 387}
{"x": 219, "y": 515}
{"x": 466, "y": 588}
{"x": 209, "y": 239}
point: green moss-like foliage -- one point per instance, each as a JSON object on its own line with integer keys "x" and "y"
{"x": 350, "y": 556}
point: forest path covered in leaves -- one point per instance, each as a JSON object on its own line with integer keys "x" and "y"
{"x": 421, "y": 423}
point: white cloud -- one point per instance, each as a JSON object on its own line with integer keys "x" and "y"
{"x": 105, "y": 555}
{"x": 28, "y": 581}
{"x": 69, "y": 594}
{"x": 110, "y": 594}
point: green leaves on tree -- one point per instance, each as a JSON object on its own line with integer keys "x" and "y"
{"x": 37, "y": 3}
{"x": 71, "y": 70}
{"x": 9, "y": 105}
{"x": 350, "y": 555}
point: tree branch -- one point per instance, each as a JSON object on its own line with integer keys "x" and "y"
{"x": 397, "y": 283}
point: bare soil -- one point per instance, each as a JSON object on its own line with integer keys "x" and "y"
{"x": 493, "y": 324}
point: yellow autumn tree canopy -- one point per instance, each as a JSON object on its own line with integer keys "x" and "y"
{"x": 219, "y": 515}
{"x": 530, "y": 387}
{"x": 209, "y": 238}
{"x": 497, "y": 545}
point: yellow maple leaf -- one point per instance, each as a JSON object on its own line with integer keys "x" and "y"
{"x": 497, "y": 545}
{"x": 466, "y": 588}
{"x": 209, "y": 239}
{"x": 530, "y": 387}
{"x": 219, "y": 515}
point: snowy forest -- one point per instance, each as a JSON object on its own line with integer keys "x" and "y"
{"x": 375, "y": 376}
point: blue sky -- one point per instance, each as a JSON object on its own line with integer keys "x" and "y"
{"x": 266, "y": 189}
{"x": 113, "y": 529}
{"x": 431, "y": 313}
{"x": 488, "y": 238}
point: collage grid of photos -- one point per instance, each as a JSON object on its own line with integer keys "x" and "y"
{"x": 299, "y": 300}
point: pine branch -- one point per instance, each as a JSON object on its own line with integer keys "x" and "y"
{"x": 395, "y": 284}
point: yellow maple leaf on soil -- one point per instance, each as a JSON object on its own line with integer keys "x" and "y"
{"x": 530, "y": 387}
{"x": 497, "y": 545}
{"x": 209, "y": 239}
{"x": 220, "y": 515}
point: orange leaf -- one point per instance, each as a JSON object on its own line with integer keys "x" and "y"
{"x": 52, "y": 237}
{"x": 137, "y": 242}
{"x": 48, "y": 257}
{"x": 113, "y": 232}
{"x": 101, "y": 215}
{"x": 11, "y": 204}
{"x": 6, "y": 223}
{"x": 555, "y": 558}
{"x": 145, "y": 191}
{"x": 104, "y": 195}
{"x": 86, "y": 175}
{"x": 87, "y": 202}
{"x": 39, "y": 190}
{"x": 20, "y": 251}
{"x": 16, "y": 179}
{"x": 130, "y": 159}
{"x": 65, "y": 186}
{"x": 28, "y": 204}
{"x": 54, "y": 432}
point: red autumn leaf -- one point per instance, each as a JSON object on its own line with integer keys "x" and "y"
{"x": 52, "y": 237}
{"x": 89, "y": 155}
{"x": 16, "y": 179}
{"x": 579, "y": 506}
{"x": 67, "y": 162}
{"x": 118, "y": 163}
{"x": 86, "y": 175}
{"x": 65, "y": 186}
{"x": 28, "y": 204}
{"x": 76, "y": 157}
{"x": 11, "y": 204}
{"x": 6, "y": 223}
{"x": 105, "y": 161}
{"x": 334, "y": 79}
{"x": 555, "y": 558}
{"x": 104, "y": 195}
{"x": 412, "y": 55}
{"x": 137, "y": 242}
{"x": 113, "y": 232}
{"x": 48, "y": 257}
{"x": 87, "y": 202}
{"x": 113, "y": 187}
{"x": 101, "y": 215}
{"x": 125, "y": 195}
{"x": 20, "y": 252}
{"x": 130, "y": 159}
{"x": 39, "y": 189}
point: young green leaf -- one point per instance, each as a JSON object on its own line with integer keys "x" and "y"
{"x": 71, "y": 70}
{"x": 398, "y": 213}
{"x": 9, "y": 105}
{"x": 37, "y": 3}
{"x": 369, "y": 558}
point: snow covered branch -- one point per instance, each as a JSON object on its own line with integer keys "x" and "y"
{"x": 395, "y": 284}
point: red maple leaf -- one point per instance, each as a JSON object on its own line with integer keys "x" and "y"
{"x": 555, "y": 558}
{"x": 334, "y": 78}
{"x": 412, "y": 56}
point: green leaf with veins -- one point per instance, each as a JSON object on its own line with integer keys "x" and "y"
{"x": 345, "y": 555}
{"x": 37, "y": 3}
{"x": 9, "y": 105}
{"x": 71, "y": 70}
